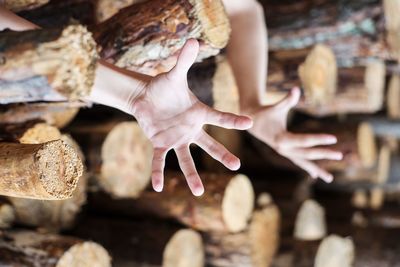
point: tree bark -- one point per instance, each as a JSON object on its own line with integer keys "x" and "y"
{"x": 61, "y": 13}
{"x": 218, "y": 210}
{"x": 46, "y": 65}
{"x": 42, "y": 171}
{"x": 146, "y": 37}
{"x": 353, "y": 29}
{"x": 25, "y": 248}
{"x": 19, "y": 5}
{"x": 105, "y": 9}
{"x": 48, "y": 214}
{"x": 57, "y": 114}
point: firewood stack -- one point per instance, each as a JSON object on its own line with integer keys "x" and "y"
{"x": 69, "y": 170}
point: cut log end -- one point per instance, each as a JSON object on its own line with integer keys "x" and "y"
{"x": 374, "y": 79}
{"x": 384, "y": 162}
{"x": 238, "y": 203}
{"x": 126, "y": 142}
{"x": 60, "y": 168}
{"x": 335, "y": 251}
{"x": 393, "y": 98}
{"x": 7, "y": 216}
{"x": 21, "y": 5}
{"x": 264, "y": 235}
{"x": 392, "y": 20}
{"x": 367, "y": 147}
{"x": 85, "y": 254}
{"x": 184, "y": 249}
{"x": 40, "y": 133}
{"x": 215, "y": 26}
{"x": 319, "y": 75}
{"x": 310, "y": 222}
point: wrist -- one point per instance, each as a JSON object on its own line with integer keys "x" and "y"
{"x": 117, "y": 88}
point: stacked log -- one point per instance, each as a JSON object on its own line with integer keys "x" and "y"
{"x": 118, "y": 154}
{"x": 354, "y": 30}
{"x": 43, "y": 171}
{"x": 226, "y": 206}
{"x": 146, "y": 37}
{"x": 25, "y": 248}
{"x": 20, "y": 5}
{"x": 358, "y": 89}
{"x": 46, "y": 64}
{"x": 58, "y": 114}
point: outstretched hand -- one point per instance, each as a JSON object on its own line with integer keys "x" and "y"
{"x": 270, "y": 127}
{"x": 173, "y": 118}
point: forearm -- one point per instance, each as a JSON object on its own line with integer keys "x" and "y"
{"x": 113, "y": 86}
{"x": 248, "y": 51}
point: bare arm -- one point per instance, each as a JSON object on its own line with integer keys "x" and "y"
{"x": 248, "y": 54}
{"x": 171, "y": 119}
{"x": 248, "y": 50}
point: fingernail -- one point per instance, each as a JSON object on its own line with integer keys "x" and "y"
{"x": 198, "y": 192}
{"x": 329, "y": 179}
{"x": 234, "y": 165}
{"x": 331, "y": 140}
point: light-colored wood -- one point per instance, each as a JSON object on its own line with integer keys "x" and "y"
{"x": 49, "y": 214}
{"x": 58, "y": 114}
{"x": 7, "y": 216}
{"x": 367, "y": 147}
{"x": 19, "y": 5}
{"x": 310, "y": 222}
{"x": 374, "y": 81}
{"x": 393, "y": 97}
{"x": 255, "y": 247}
{"x": 105, "y": 9}
{"x": 131, "y": 40}
{"x": 226, "y": 206}
{"x": 43, "y": 171}
{"x": 391, "y": 8}
{"x": 126, "y": 161}
{"x": 184, "y": 249}
{"x": 49, "y": 65}
{"x": 318, "y": 75}
{"x": 335, "y": 251}
{"x": 34, "y": 249}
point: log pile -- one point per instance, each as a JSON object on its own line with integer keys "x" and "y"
{"x": 340, "y": 53}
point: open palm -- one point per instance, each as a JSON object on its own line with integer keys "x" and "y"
{"x": 270, "y": 127}
{"x": 173, "y": 118}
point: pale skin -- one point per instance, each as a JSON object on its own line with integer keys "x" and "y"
{"x": 169, "y": 114}
{"x": 247, "y": 53}
{"x": 175, "y": 120}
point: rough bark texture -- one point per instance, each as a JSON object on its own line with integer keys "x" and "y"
{"x": 43, "y": 171}
{"x": 226, "y": 206}
{"x": 56, "y": 114}
{"x": 24, "y": 248}
{"x": 105, "y": 9}
{"x": 61, "y": 13}
{"x": 46, "y": 64}
{"x": 146, "y": 37}
{"x": 255, "y": 247}
{"x": 18, "y": 5}
{"x": 353, "y": 29}
{"x": 49, "y": 214}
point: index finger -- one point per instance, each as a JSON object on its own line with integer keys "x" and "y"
{"x": 228, "y": 120}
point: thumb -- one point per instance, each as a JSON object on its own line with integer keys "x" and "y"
{"x": 291, "y": 100}
{"x": 186, "y": 58}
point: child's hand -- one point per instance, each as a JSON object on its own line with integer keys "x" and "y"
{"x": 173, "y": 118}
{"x": 270, "y": 127}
